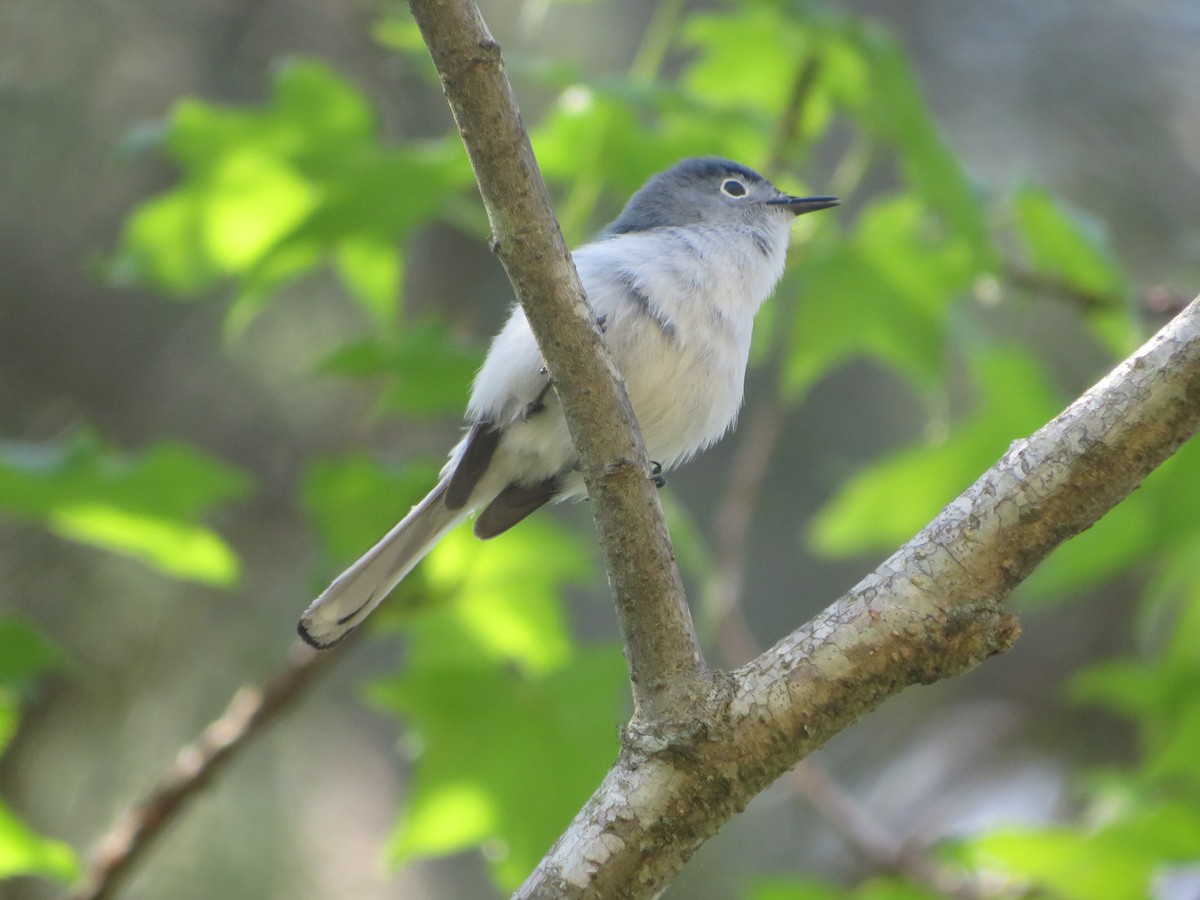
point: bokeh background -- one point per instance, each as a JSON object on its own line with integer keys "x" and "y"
{"x": 1094, "y": 101}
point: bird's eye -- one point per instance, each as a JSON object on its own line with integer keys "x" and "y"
{"x": 733, "y": 187}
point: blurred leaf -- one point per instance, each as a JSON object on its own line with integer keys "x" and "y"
{"x": 427, "y": 372}
{"x": 354, "y": 501}
{"x": 508, "y": 758}
{"x": 10, "y": 714}
{"x": 502, "y": 703}
{"x": 1068, "y": 251}
{"x": 1161, "y": 693}
{"x": 803, "y": 889}
{"x": 25, "y": 653}
{"x": 1119, "y": 859}
{"x": 373, "y": 271}
{"x": 397, "y": 30}
{"x": 187, "y": 552}
{"x": 146, "y": 506}
{"x": 887, "y": 502}
{"x": 24, "y": 852}
{"x": 747, "y": 56}
{"x": 1157, "y": 520}
{"x": 894, "y": 109}
{"x": 267, "y": 195}
{"x": 1061, "y": 244}
{"x": 899, "y": 273}
{"x": 497, "y": 599}
{"x": 502, "y": 597}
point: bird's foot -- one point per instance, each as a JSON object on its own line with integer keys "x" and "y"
{"x": 656, "y": 474}
{"x": 536, "y": 405}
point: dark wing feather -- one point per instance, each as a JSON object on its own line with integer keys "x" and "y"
{"x": 481, "y": 445}
{"x": 512, "y": 505}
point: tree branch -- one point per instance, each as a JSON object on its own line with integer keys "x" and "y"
{"x": 667, "y": 670}
{"x": 930, "y": 611}
{"x": 249, "y": 713}
{"x": 808, "y": 780}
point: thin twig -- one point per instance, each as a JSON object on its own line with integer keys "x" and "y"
{"x": 731, "y": 525}
{"x": 869, "y": 838}
{"x": 1155, "y": 300}
{"x": 789, "y": 129}
{"x": 252, "y": 709}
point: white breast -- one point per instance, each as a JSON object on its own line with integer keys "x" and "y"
{"x": 685, "y": 380}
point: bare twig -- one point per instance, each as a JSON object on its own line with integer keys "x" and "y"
{"x": 249, "y": 713}
{"x": 1155, "y": 300}
{"x": 731, "y": 528}
{"x": 870, "y": 839}
{"x": 667, "y": 670}
{"x": 789, "y": 128}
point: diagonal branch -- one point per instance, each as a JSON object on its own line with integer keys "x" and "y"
{"x": 251, "y": 710}
{"x": 932, "y": 610}
{"x": 667, "y": 670}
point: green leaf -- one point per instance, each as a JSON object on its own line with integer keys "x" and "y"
{"x": 25, "y": 653}
{"x": 492, "y": 739}
{"x": 502, "y": 704}
{"x": 889, "y": 501}
{"x": 747, "y": 57}
{"x": 373, "y": 271}
{"x": 1066, "y": 248}
{"x": 1119, "y": 859}
{"x": 354, "y": 501}
{"x": 1161, "y": 693}
{"x": 1155, "y": 521}
{"x": 146, "y": 506}
{"x": 498, "y": 599}
{"x": 24, "y": 852}
{"x": 1063, "y": 244}
{"x": 266, "y": 195}
{"x": 895, "y": 110}
{"x": 804, "y": 889}
{"x": 426, "y": 371}
{"x": 501, "y": 598}
{"x": 899, "y": 272}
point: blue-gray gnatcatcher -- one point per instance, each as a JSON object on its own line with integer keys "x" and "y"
{"x": 675, "y": 282}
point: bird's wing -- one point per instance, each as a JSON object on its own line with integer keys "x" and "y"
{"x": 512, "y": 505}
{"x": 476, "y": 457}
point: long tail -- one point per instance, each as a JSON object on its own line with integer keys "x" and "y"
{"x": 362, "y": 587}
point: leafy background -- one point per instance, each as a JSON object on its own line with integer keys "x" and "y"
{"x": 246, "y": 287}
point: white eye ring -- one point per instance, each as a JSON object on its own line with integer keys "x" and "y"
{"x": 731, "y": 187}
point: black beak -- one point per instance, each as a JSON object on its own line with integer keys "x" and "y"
{"x": 802, "y": 205}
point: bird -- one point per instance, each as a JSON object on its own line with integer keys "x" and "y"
{"x": 675, "y": 282}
